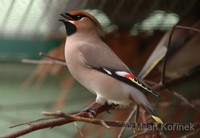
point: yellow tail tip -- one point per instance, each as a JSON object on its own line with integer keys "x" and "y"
{"x": 157, "y": 119}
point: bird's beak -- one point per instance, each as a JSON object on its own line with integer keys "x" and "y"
{"x": 67, "y": 17}
{"x": 70, "y": 27}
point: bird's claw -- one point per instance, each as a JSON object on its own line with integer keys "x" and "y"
{"x": 92, "y": 113}
{"x": 112, "y": 108}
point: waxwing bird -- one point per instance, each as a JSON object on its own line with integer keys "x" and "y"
{"x": 183, "y": 53}
{"x": 92, "y": 63}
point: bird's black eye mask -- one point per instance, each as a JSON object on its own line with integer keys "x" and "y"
{"x": 78, "y": 17}
{"x": 72, "y": 17}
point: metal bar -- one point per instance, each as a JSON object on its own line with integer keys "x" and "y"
{"x": 83, "y": 4}
{"x": 189, "y": 7}
{"x": 42, "y": 17}
{"x": 136, "y": 8}
{"x": 68, "y": 6}
{"x": 7, "y": 16}
{"x": 24, "y": 18}
{"x": 115, "y": 12}
{"x": 102, "y": 4}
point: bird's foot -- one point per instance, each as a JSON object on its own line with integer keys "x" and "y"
{"x": 91, "y": 112}
{"x": 112, "y": 107}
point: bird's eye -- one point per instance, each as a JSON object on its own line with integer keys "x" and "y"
{"x": 78, "y": 17}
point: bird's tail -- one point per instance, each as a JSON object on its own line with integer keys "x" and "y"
{"x": 153, "y": 114}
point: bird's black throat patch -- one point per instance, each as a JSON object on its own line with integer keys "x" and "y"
{"x": 70, "y": 28}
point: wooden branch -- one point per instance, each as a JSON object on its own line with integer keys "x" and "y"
{"x": 50, "y": 57}
{"x": 182, "y": 98}
{"x": 79, "y": 130}
{"x": 176, "y": 81}
{"x": 65, "y": 119}
{"x": 182, "y": 103}
{"x": 139, "y": 134}
{"x": 77, "y": 118}
{"x": 53, "y": 123}
{"x": 187, "y": 28}
{"x": 47, "y": 62}
{"x": 191, "y": 134}
{"x": 127, "y": 120}
{"x": 31, "y": 122}
{"x": 98, "y": 109}
{"x": 169, "y": 45}
{"x": 81, "y": 116}
{"x": 166, "y": 56}
{"x": 52, "y": 60}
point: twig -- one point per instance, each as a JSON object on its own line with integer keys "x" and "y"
{"x": 48, "y": 62}
{"x": 166, "y": 56}
{"x": 136, "y": 113}
{"x": 127, "y": 120}
{"x": 163, "y": 134}
{"x": 50, "y": 57}
{"x": 77, "y": 118}
{"x": 27, "y": 123}
{"x": 79, "y": 130}
{"x": 168, "y": 47}
{"x": 54, "y": 123}
{"x": 176, "y": 81}
{"x": 187, "y": 28}
{"x": 191, "y": 134}
{"x": 182, "y": 98}
{"x": 139, "y": 134}
{"x": 171, "y": 103}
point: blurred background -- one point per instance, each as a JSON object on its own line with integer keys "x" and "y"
{"x": 133, "y": 29}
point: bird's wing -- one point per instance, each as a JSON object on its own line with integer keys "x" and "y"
{"x": 106, "y": 61}
{"x": 128, "y": 78}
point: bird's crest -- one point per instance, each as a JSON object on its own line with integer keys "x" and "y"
{"x": 92, "y": 18}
